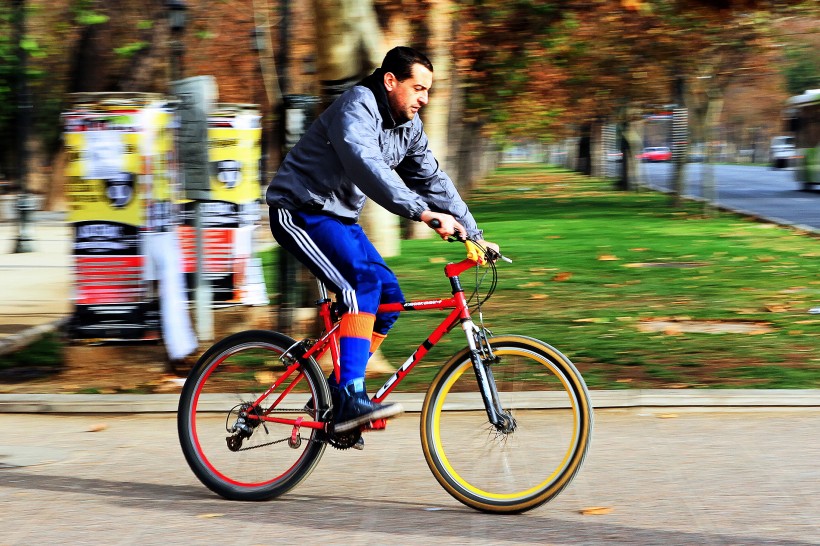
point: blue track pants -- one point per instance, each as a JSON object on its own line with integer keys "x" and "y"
{"x": 341, "y": 256}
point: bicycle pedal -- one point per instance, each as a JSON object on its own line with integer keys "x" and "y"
{"x": 378, "y": 424}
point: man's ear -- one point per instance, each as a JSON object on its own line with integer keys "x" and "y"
{"x": 390, "y": 81}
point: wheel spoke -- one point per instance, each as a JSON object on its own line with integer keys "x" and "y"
{"x": 232, "y": 452}
{"x": 488, "y": 468}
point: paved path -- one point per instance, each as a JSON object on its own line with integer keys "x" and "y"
{"x": 743, "y": 478}
{"x": 670, "y": 476}
{"x": 35, "y": 287}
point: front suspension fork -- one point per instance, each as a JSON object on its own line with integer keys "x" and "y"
{"x": 482, "y": 358}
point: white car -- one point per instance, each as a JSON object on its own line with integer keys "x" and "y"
{"x": 781, "y": 151}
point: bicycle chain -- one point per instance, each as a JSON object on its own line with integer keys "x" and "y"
{"x": 301, "y": 438}
{"x": 274, "y": 442}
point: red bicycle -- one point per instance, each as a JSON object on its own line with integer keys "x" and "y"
{"x": 505, "y": 424}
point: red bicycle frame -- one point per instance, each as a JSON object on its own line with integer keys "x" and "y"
{"x": 330, "y": 341}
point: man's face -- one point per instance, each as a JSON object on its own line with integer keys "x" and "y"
{"x": 407, "y": 97}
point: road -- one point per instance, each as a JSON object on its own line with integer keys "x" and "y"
{"x": 661, "y": 477}
{"x": 762, "y": 191}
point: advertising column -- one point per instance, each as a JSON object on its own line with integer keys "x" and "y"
{"x": 106, "y": 205}
{"x": 232, "y": 212}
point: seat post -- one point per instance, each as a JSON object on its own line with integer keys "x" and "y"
{"x": 322, "y": 289}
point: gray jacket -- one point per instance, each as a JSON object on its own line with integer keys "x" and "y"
{"x": 355, "y": 149}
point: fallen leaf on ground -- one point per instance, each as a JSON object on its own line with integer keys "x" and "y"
{"x": 97, "y": 427}
{"x": 607, "y": 258}
{"x": 539, "y": 296}
{"x": 776, "y": 308}
{"x": 758, "y": 332}
{"x": 667, "y": 416}
{"x": 561, "y": 277}
{"x": 596, "y": 510}
{"x": 206, "y": 516}
{"x": 437, "y": 260}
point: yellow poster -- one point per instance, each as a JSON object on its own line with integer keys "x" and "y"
{"x": 234, "y": 153}
{"x": 103, "y": 169}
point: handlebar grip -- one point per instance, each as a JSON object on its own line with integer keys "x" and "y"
{"x": 435, "y": 224}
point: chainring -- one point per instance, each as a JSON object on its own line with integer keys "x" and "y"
{"x": 344, "y": 440}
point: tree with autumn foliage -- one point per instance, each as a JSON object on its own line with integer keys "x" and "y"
{"x": 548, "y": 68}
{"x": 505, "y": 70}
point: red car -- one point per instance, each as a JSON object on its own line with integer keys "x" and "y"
{"x": 658, "y": 153}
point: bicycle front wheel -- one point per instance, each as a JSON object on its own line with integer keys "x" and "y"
{"x": 531, "y": 462}
{"x": 244, "y": 451}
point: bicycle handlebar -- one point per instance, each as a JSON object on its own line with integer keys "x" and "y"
{"x": 489, "y": 254}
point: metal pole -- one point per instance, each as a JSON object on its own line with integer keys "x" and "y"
{"x": 203, "y": 298}
{"x": 287, "y": 264}
{"x": 24, "y": 108}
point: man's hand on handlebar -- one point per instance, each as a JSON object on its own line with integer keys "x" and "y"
{"x": 444, "y": 224}
{"x": 451, "y": 228}
{"x": 493, "y": 251}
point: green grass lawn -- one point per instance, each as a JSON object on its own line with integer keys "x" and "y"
{"x": 593, "y": 267}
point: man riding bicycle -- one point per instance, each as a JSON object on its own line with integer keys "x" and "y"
{"x": 368, "y": 143}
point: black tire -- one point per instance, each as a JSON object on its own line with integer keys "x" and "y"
{"x": 236, "y": 370}
{"x": 511, "y": 472}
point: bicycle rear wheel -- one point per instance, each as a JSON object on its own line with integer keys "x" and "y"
{"x": 250, "y": 458}
{"x": 514, "y": 471}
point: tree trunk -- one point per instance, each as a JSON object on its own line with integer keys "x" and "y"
{"x": 55, "y": 196}
{"x": 678, "y": 174}
{"x": 38, "y": 168}
{"x": 348, "y": 45}
{"x": 713, "y": 111}
{"x": 436, "y": 113}
{"x": 632, "y": 175}
{"x": 583, "y": 162}
{"x": 595, "y": 149}
{"x": 457, "y": 126}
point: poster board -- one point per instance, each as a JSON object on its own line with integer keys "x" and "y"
{"x": 119, "y": 184}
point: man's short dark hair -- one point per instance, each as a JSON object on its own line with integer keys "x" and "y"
{"x": 400, "y": 61}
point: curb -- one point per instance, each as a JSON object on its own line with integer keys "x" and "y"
{"x": 742, "y": 212}
{"x": 680, "y": 399}
{"x": 25, "y": 337}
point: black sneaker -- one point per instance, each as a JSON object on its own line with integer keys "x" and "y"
{"x": 334, "y": 398}
{"x": 356, "y": 409}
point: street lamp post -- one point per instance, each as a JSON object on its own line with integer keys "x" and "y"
{"x": 24, "y": 108}
{"x": 176, "y": 21}
{"x": 202, "y": 295}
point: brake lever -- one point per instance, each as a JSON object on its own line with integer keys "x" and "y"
{"x": 492, "y": 255}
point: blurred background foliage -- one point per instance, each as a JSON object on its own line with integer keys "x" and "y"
{"x": 507, "y": 69}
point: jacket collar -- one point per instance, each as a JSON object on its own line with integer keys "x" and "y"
{"x": 375, "y": 82}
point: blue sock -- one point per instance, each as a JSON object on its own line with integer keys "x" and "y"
{"x": 358, "y": 385}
